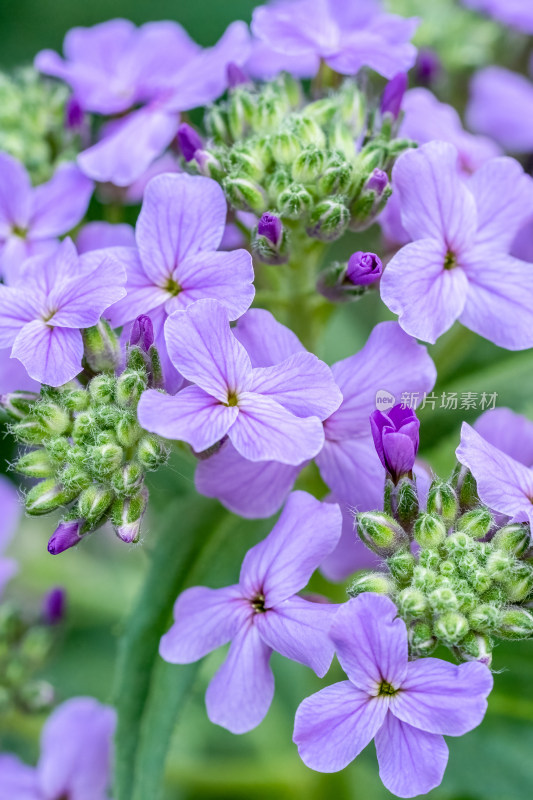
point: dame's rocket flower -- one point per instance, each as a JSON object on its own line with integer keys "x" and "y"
{"x": 148, "y": 74}
{"x": 261, "y": 613}
{"x": 347, "y": 36}
{"x": 458, "y": 265}
{"x": 508, "y": 431}
{"x": 406, "y": 706}
{"x": 11, "y": 510}
{"x": 75, "y": 761}
{"x": 271, "y": 413}
{"x": 396, "y": 439}
{"x": 516, "y": 13}
{"x": 57, "y": 295}
{"x": 31, "y": 218}
{"x": 176, "y": 262}
{"x": 501, "y": 106}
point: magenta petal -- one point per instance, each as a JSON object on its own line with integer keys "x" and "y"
{"x": 204, "y": 619}
{"x": 298, "y": 629}
{"x": 411, "y": 762}
{"x": 370, "y": 642}
{"x": 241, "y": 691}
{"x": 17, "y": 780}
{"x": 60, "y": 204}
{"x": 439, "y": 697}
{"x": 226, "y": 277}
{"x": 332, "y": 726}
{"x": 50, "y": 355}
{"x": 191, "y": 416}
{"x": 282, "y": 564}
{"x": 266, "y": 340}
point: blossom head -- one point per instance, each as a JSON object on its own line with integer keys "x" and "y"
{"x": 364, "y": 268}
{"x": 396, "y": 439}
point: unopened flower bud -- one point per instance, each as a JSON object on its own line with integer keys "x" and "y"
{"x": 285, "y": 147}
{"x": 421, "y": 640}
{"x": 295, "y": 201}
{"x": 481, "y": 581}
{"x": 236, "y": 75}
{"x": 401, "y": 566}
{"x": 54, "y": 419}
{"x": 368, "y": 581}
{"x": 429, "y": 530}
{"x": 127, "y": 430}
{"x": 377, "y": 181}
{"x": 429, "y": 558}
{"x": 476, "y": 523}
{"x": 309, "y": 131}
{"x": 451, "y": 627}
{"x": 442, "y": 501}
{"x": 475, "y": 647}
{"x": 308, "y": 165}
{"x": 128, "y": 479}
{"x": 458, "y": 544}
{"x": 142, "y": 333}
{"x": 424, "y": 578}
{"x": 127, "y": 515}
{"x": 484, "y": 617}
{"x": 189, "y": 141}
{"x": 520, "y": 584}
{"x": 411, "y": 603}
{"x": 381, "y": 533}
{"x": 500, "y": 566}
{"x": 130, "y": 385}
{"x": 102, "y": 389}
{"x": 401, "y": 500}
{"x": 58, "y": 448}
{"x": 396, "y": 438}
{"x": 364, "y": 268}
{"x": 35, "y": 464}
{"x": 105, "y": 459}
{"x": 75, "y": 400}
{"x": 47, "y": 496}
{"x": 240, "y": 113}
{"x": 333, "y": 285}
{"x": 443, "y": 599}
{"x": 466, "y": 488}
{"x": 93, "y": 502}
{"x": 53, "y": 608}
{"x": 151, "y": 453}
{"x": 335, "y": 178}
{"x": 245, "y": 194}
{"x": 74, "y": 479}
{"x": 101, "y": 347}
{"x": 29, "y": 431}
{"x": 514, "y": 539}
{"x": 18, "y": 404}
{"x": 392, "y": 97}
{"x": 328, "y": 221}
{"x": 269, "y": 242}
{"x": 85, "y": 425}
{"x": 66, "y": 535}
{"x": 515, "y": 623}
{"x": 447, "y": 569}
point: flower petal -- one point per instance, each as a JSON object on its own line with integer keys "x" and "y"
{"x": 411, "y": 762}
{"x": 15, "y": 195}
{"x": 282, "y": 564}
{"x": 16, "y": 309}
{"x": 204, "y": 619}
{"x": 241, "y": 691}
{"x": 98, "y": 235}
{"x": 227, "y": 277}
{"x": 508, "y": 431}
{"x": 17, "y": 780}
{"x": 191, "y": 416}
{"x": 60, "y": 204}
{"x": 50, "y": 355}
{"x": 501, "y": 106}
{"x": 141, "y": 294}
{"x": 266, "y": 340}
{"x": 353, "y": 471}
{"x": 332, "y": 726}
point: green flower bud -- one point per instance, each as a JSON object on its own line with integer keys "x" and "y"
{"x": 401, "y": 566}
{"x": 520, "y": 584}
{"x": 342, "y": 140}
{"x": 240, "y": 110}
{"x": 496, "y": 594}
{"x": 458, "y": 544}
{"x": 157, "y": 380}
{"x": 107, "y": 416}
{"x": 514, "y": 539}
{"x": 127, "y": 514}
{"x": 128, "y": 479}
{"x": 421, "y": 640}
{"x": 500, "y": 566}
{"x": 294, "y": 202}
{"x": 443, "y": 599}
{"x": 515, "y": 623}
{"x": 85, "y": 426}
{"x": 308, "y": 131}
{"x": 328, "y": 221}
{"x": 101, "y": 347}
{"x": 127, "y": 430}
{"x": 401, "y": 500}
{"x": 151, "y": 453}
{"x": 381, "y": 533}
{"x": 93, "y": 503}
{"x": 442, "y": 501}
{"x": 130, "y": 385}
{"x": 36, "y": 464}
{"x": 429, "y": 558}
{"x": 336, "y": 177}
{"x": 484, "y": 617}
{"x": 285, "y": 147}
{"x": 47, "y": 496}
{"x": 451, "y": 627}
{"x": 466, "y": 488}
{"x": 18, "y": 405}
{"x": 105, "y": 459}
{"x": 102, "y": 389}
{"x": 475, "y": 647}
{"x": 476, "y": 523}
{"x": 245, "y": 194}
{"x": 447, "y": 568}
{"x": 308, "y": 166}
{"x": 368, "y": 581}
{"x": 424, "y": 579}
{"x": 268, "y": 114}
{"x": 481, "y": 581}
{"x": 74, "y": 479}
{"x": 243, "y": 163}
{"x": 209, "y": 165}
{"x": 75, "y": 400}
{"x": 411, "y": 603}
{"x": 278, "y": 182}
{"x": 58, "y": 448}
{"x": 216, "y": 124}
{"x": 429, "y": 531}
{"x": 332, "y": 285}
{"x": 77, "y": 456}
{"x": 30, "y": 431}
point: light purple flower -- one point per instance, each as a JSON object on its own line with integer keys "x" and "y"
{"x": 13, "y": 375}
{"x": 157, "y": 70}
{"x": 31, "y": 218}
{"x": 396, "y": 439}
{"x": 508, "y": 431}
{"x": 405, "y": 706}
{"x": 516, "y": 13}
{"x": 99, "y": 235}
{"x": 458, "y": 265}
{"x": 11, "y": 512}
{"x": 41, "y": 315}
{"x": 176, "y": 262}
{"x": 265, "y": 62}
{"x": 503, "y": 482}
{"x": 501, "y": 106}
{"x": 261, "y": 613}
{"x": 75, "y": 761}
{"x": 347, "y": 36}
{"x": 390, "y": 364}
{"x": 271, "y": 413}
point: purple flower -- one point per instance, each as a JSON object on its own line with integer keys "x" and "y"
{"x": 347, "y": 36}
{"x": 265, "y": 62}
{"x": 503, "y": 482}
{"x": 508, "y": 431}
{"x": 66, "y": 535}
{"x": 57, "y": 294}
{"x": 516, "y": 13}
{"x": 176, "y": 262}
{"x": 13, "y": 376}
{"x": 11, "y": 512}
{"x": 501, "y": 106}
{"x": 54, "y": 606}
{"x": 458, "y": 265}
{"x": 157, "y": 70}
{"x": 75, "y": 761}
{"x": 99, "y": 235}
{"x": 261, "y": 613}
{"x": 189, "y": 141}
{"x": 364, "y": 268}
{"x": 406, "y": 706}
{"x": 396, "y": 438}
{"x": 270, "y": 226}
{"x": 390, "y": 364}
{"x": 271, "y": 413}
{"x": 392, "y": 97}
{"x": 142, "y": 333}
{"x": 31, "y": 219}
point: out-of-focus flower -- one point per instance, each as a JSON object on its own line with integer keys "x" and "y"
{"x": 458, "y": 265}
{"x": 262, "y": 613}
{"x": 75, "y": 760}
{"x": 99, "y": 235}
{"x": 57, "y": 295}
{"x": 271, "y": 413}
{"x": 153, "y": 73}
{"x": 31, "y": 218}
{"x": 54, "y": 606}
{"x": 501, "y": 106}
{"x": 346, "y": 36}
{"x": 11, "y": 511}
{"x": 516, "y": 13}
{"x": 393, "y": 94}
{"x": 176, "y": 261}
{"x": 508, "y": 431}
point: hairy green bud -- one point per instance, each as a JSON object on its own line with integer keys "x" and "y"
{"x": 101, "y": 347}
{"x": 127, "y": 514}
{"x": 29, "y": 431}
{"x": 93, "y": 503}
{"x": 411, "y": 603}
{"x": 424, "y": 579}
{"x": 245, "y": 194}
{"x": 515, "y": 623}
{"x": 475, "y": 647}
{"x": 421, "y": 640}
{"x": 47, "y": 496}
{"x": 368, "y": 581}
{"x": 514, "y": 539}
{"x": 476, "y": 523}
{"x": 458, "y": 544}
{"x": 442, "y": 501}
{"x": 18, "y": 405}
{"x": 58, "y": 449}
{"x": 308, "y": 166}
{"x": 429, "y": 531}
{"x": 105, "y": 459}
{"x": 328, "y": 220}
{"x": 127, "y": 430}
{"x": 128, "y": 479}
{"x": 466, "y": 488}
{"x": 286, "y": 147}
{"x": 500, "y": 566}
{"x": 520, "y": 584}
{"x": 295, "y": 201}
{"x": 443, "y": 599}
{"x": 151, "y": 452}
{"x": 36, "y": 464}
{"x": 401, "y": 566}
{"x": 381, "y": 533}
{"x": 102, "y": 389}
{"x": 485, "y": 617}
{"x": 451, "y": 627}
{"x": 85, "y": 426}
{"x": 130, "y": 385}
{"x": 75, "y": 400}
{"x": 429, "y": 558}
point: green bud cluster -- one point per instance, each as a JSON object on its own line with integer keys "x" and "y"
{"x": 274, "y": 150}
{"x": 32, "y": 123}
{"x": 92, "y": 455}
{"x": 470, "y": 581}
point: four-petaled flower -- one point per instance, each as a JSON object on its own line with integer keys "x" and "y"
{"x": 405, "y": 705}
{"x": 260, "y": 614}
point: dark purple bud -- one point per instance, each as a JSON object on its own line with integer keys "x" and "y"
{"x": 364, "y": 268}
{"x": 65, "y": 536}
{"x": 271, "y": 227}
{"x": 54, "y": 606}
{"x": 396, "y": 439}
{"x": 427, "y": 67}
{"x": 392, "y": 97}
{"x": 73, "y": 113}
{"x": 189, "y": 141}
{"x": 142, "y": 333}
{"x": 378, "y": 181}
{"x": 236, "y": 76}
